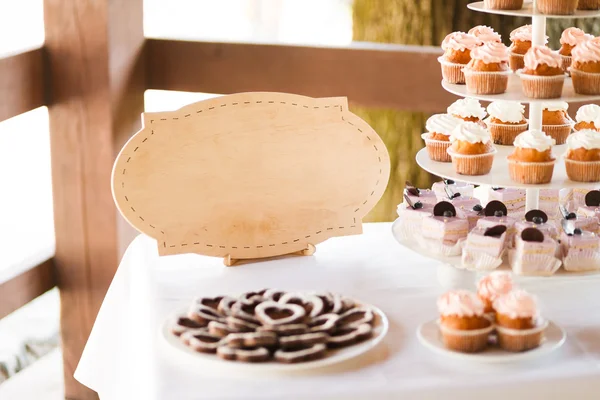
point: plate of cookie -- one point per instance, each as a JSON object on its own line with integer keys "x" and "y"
{"x": 274, "y": 330}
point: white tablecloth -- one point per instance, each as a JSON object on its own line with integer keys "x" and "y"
{"x": 126, "y": 359}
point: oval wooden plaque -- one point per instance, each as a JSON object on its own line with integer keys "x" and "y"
{"x": 250, "y": 175}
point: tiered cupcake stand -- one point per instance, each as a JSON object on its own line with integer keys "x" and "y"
{"x": 449, "y": 270}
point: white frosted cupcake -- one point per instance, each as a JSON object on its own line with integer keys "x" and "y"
{"x": 583, "y": 156}
{"x": 532, "y": 161}
{"x": 485, "y": 34}
{"x": 472, "y": 151}
{"x": 506, "y": 121}
{"x": 468, "y": 109}
{"x": 556, "y": 121}
{"x": 437, "y": 139}
{"x": 588, "y": 117}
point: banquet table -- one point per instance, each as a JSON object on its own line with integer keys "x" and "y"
{"x": 126, "y": 357}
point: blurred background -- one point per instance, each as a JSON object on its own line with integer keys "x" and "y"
{"x": 26, "y": 212}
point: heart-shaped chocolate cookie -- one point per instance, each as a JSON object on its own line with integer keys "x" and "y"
{"x": 203, "y": 314}
{"x": 246, "y": 309}
{"x": 251, "y": 339}
{"x": 313, "y": 305}
{"x": 220, "y": 329}
{"x": 256, "y": 354}
{"x": 332, "y": 303}
{"x": 285, "y": 330}
{"x": 272, "y": 313}
{"x": 210, "y": 302}
{"x": 183, "y": 324}
{"x": 324, "y": 323}
{"x": 273, "y": 294}
{"x": 355, "y": 317}
{"x": 225, "y": 305}
{"x": 303, "y": 340}
{"x": 240, "y": 324}
{"x": 291, "y": 356}
{"x": 346, "y": 336}
{"x": 252, "y": 296}
{"x": 201, "y": 341}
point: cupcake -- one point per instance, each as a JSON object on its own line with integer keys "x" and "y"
{"x": 487, "y": 72}
{"x": 585, "y": 69}
{"x": 457, "y": 48}
{"x": 557, "y": 7}
{"x": 570, "y": 38}
{"x": 588, "y": 5}
{"x": 503, "y": 4}
{"x": 588, "y": 117}
{"x": 532, "y": 161}
{"x": 583, "y": 156}
{"x": 462, "y": 321}
{"x": 485, "y": 34}
{"x": 518, "y": 324}
{"x": 437, "y": 139}
{"x": 468, "y": 109}
{"x": 506, "y": 121}
{"x": 520, "y": 43}
{"x": 556, "y": 121}
{"x": 492, "y": 286}
{"x": 471, "y": 151}
{"x": 543, "y": 76}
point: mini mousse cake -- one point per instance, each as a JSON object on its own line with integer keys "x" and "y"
{"x": 542, "y": 76}
{"x": 463, "y": 324}
{"x": 484, "y": 248}
{"x": 570, "y": 38}
{"x": 592, "y": 205}
{"x": 588, "y": 117}
{"x": 513, "y": 199}
{"x": 520, "y": 43}
{"x": 437, "y": 139}
{"x": 532, "y": 161}
{"x": 485, "y": 34}
{"x": 472, "y": 151}
{"x": 572, "y": 221}
{"x": 556, "y": 121}
{"x": 585, "y": 69}
{"x": 518, "y": 323}
{"x": 468, "y": 109}
{"x": 492, "y": 286}
{"x": 534, "y": 254}
{"x": 444, "y": 225}
{"x": 539, "y": 220}
{"x": 506, "y": 121}
{"x": 580, "y": 250}
{"x": 582, "y": 160}
{"x": 548, "y": 201}
{"x": 496, "y": 214}
{"x": 443, "y": 188}
{"x": 425, "y": 196}
{"x": 410, "y": 216}
{"x": 488, "y": 71}
{"x": 457, "y": 48}
{"x": 472, "y": 215}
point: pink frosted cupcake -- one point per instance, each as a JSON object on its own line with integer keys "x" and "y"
{"x": 570, "y": 38}
{"x": 585, "y": 69}
{"x": 485, "y": 34}
{"x": 543, "y": 76}
{"x": 518, "y": 324}
{"x": 457, "y": 48}
{"x": 463, "y": 324}
{"x": 488, "y": 71}
{"x": 492, "y": 286}
{"x": 520, "y": 43}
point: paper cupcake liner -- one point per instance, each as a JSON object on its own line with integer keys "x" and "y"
{"x": 480, "y": 261}
{"x": 583, "y": 171}
{"x": 588, "y": 5}
{"x": 503, "y": 4}
{"x": 516, "y": 61}
{"x": 533, "y": 264}
{"x": 452, "y": 72}
{"x": 560, "y": 133}
{"x": 437, "y": 149}
{"x": 542, "y": 87}
{"x": 533, "y": 173}
{"x": 465, "y": 341}
{"x": 517, "y": 340}
{"x": 557, "y": 7}
{"x": 472, "y": 164}
{"x": 505, "y": 134}
{"x": 587, "y": 260}
{"x": 439, "y": 247}
{"x": 484, "y": 82}
{"x": 585, "y": 82}
{"x": 566, "y": 63}
{"x": 407, "y": 227}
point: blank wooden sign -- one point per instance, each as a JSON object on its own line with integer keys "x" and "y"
{"x": 250, "y": 175}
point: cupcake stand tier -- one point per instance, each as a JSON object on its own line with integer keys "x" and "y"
{"x": 450, "y": 272}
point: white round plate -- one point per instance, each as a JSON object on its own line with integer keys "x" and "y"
{"x": 429, "y": 336}
{"x": 514, "y": 92}
{"x": 528, "y": 11}
{"x": 202, "y": 360}
{"x": 456, "y": 261}
{"x": 498, "y": 176}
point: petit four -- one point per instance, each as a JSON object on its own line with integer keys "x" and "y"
{"x": 424, "y": 196}
{"x": 592, "y": 205}
{"x": 513, "y": 199}
{"x": 471, "y": 214}
{"x": 518, "y": 323}
{"x": 411, "y": 216}
{"x": 444, "y": 229}
{"x": 537, "y": 219}
{"x": 580, "y": 249}
{"x": 573, "y": 221}
{"x": 441, "y": 188}
{"x": 534, "y": 254}
{"x": 484, "y": 248}
{"x": 496, "y": 214}
{"x": 548, "y": 202}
